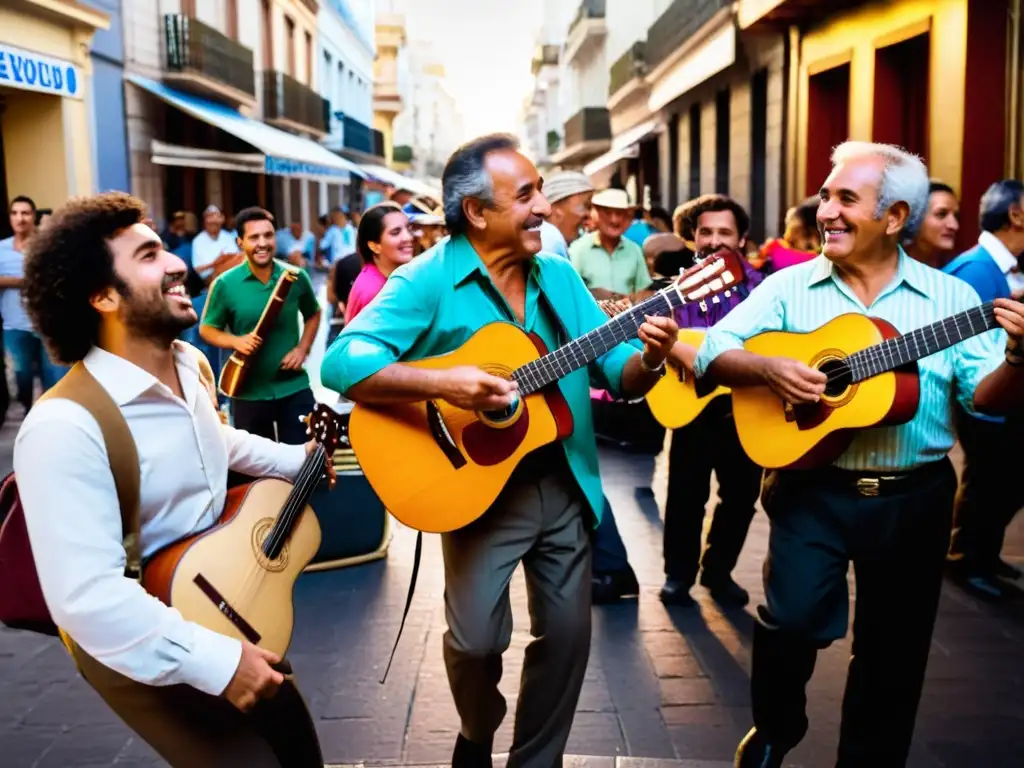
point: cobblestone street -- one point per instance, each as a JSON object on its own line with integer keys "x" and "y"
{"x": 669, "y": 684}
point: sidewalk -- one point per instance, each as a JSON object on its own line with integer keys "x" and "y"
{"x": 669, "y": 684}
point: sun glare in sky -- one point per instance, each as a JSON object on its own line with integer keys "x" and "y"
{"x": 486, "y": 47}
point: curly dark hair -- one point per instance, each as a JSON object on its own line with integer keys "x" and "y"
{"x": 686, "y": 215}
{"x": 68, "y": 263}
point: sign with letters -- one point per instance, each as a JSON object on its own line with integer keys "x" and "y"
{"x": 32, "y": 71}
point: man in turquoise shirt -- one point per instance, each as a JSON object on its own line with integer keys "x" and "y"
{"x": 489, "y": 272}
{"x": 886, "y": 503}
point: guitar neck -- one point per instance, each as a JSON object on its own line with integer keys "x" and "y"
{"x": 305, "y": 483}
{"x": 901, "y": 350}
{"x": 583, "y": 350}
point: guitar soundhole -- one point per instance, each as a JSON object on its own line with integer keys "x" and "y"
{"x": 840, "y": 377}
{"x": 504, "y": 417}
{"x": 260, "y": 532}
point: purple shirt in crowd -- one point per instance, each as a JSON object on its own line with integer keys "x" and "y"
{"x": 696, "y": 316}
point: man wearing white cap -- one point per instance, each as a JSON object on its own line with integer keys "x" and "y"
{"x": 569, "y": 193}
{"x": 611, "y": 265}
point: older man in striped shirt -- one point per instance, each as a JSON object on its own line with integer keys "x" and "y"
{"x": 820, "y": 521}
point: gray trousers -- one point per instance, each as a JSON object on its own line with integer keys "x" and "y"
{"x": 540, "y": 519}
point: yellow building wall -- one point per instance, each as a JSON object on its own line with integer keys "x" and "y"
{"x": 47, "y": 138}
{"x": 855, "y": 36}
{"x": 34, "y": 160}
{"x": 385, "y": 124}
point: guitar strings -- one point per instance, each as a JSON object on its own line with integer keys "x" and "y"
{"x": 876, "y": 353}
{"x": 308, "y": 477}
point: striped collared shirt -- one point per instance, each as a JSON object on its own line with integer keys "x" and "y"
{"x": 806, "y": 296}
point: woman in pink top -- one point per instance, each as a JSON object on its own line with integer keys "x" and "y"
{"x": 384, "y": 242}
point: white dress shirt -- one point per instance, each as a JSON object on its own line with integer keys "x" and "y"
{"x": 1005, "y": 260}
{"x": 74, "y": 520}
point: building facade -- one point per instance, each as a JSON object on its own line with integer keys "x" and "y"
{"x": 583, "y": 88}
{"x": 347, "y": 50}
{"x": 543, "y": 126}
{"x": 47, "y": 100}
{"x": 938, "y": 77}
{"x": 110, "y": 155}
{"x": 389, "y": 81}
{"x": 222, "y": 107}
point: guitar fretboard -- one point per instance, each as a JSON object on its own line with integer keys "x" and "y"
{"x": 582, "y": 351}
{"x": 893, "y": 353}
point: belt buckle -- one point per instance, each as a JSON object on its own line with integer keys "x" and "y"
{"x": 868, "y": 486}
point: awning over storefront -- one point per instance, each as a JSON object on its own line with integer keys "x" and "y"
{"x": 283, "y": 154}
{"x": 625, "y": 145}
{"x": 398, "y": 181}
{"x": 715, "y": 52}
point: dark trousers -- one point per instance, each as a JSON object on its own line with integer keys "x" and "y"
{"x": 609, "y": 551}
{"x": 191, "y": 729}
{"x": 539, "y": 520}
{"x": 708, "y": 443}
{"x": 897, "y": 542}
{"x": 278, "y": 420}
{"x": 989, "y": 495}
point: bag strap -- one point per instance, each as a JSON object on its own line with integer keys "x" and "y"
{"x": 80, "y": 386}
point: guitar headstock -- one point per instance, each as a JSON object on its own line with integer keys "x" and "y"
{"x": 714, "y": 273}
{"x": 327, "y": 427}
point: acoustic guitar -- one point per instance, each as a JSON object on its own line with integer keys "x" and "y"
{"x": 237, "y": 577}
{"x": 677, "y": 400}
{"x": 872, "y": 381}
{"x": 453, "y": 463}
{"x": 233, "y": 373}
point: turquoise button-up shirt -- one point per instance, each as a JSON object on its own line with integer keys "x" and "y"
{"x": 432, "y": 306}
{"x": 806, "y": 296}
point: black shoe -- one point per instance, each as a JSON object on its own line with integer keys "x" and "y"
{"x": 1004, "y": 570}
{"x": 725, "y": 590}
{"x": 613, "y": 586}
{"x": 676, "y": 593}
{"x": 469, "y": 754}
{"x": 975, "y": 581}
{"x": 757, "y": 752}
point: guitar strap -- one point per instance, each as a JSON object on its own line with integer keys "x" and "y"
{"x": 408, "y": 600}
{"x": 417, "y": 557}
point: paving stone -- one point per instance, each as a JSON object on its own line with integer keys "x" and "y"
{"x": 666, "y": 684}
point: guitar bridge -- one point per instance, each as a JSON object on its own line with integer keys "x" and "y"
{"x": 443, "y": 437}
{"x": 225, "y": 608}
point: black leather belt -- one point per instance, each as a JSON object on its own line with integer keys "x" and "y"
{"x": 870, "y": 483}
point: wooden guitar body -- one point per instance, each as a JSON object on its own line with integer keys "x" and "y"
{"x": 674, "y": 401}
{"x": 221, "y": 580}
{"x": 436, "y": 467}
{"x": 776, "y": 437}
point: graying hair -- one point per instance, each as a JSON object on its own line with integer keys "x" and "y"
{"x": 465, "y": 177}
{"x": 904, "y": 179}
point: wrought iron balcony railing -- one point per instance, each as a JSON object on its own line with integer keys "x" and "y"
{"x": 677, "y": 25}
{"x": 589, "y": 124}
{"x": 631, "y": 64}
{"x": 285, "y": 98}
{"x": 198, "y": 49}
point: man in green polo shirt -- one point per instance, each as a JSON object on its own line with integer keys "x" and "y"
{"x": 612, "y": 266}
{"x": 275, "y": 393}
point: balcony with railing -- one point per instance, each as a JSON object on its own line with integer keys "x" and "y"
{"x": 544, "y": 56}
{"x": 289, "y": 104}
{"x": 629, "y": 66}
{"x": 401, "y": 154}
{"x": 204, "y": 61}
{"x": 588, "y": 10}
{"x": 587, "y": 26}
{"x": 678, "y": 24}
{"x": 588, "y": 133}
